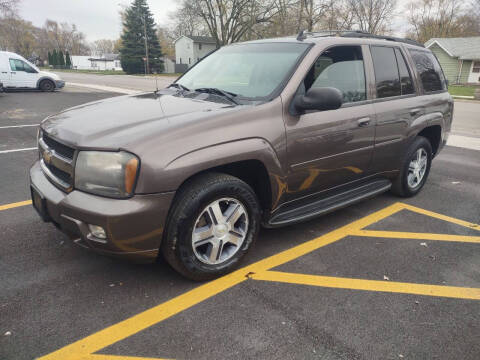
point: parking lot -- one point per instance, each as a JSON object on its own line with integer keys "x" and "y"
{"x": 388, "y": 278}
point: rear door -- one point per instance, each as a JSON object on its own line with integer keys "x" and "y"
{"x": 395, "y": 103}
{"x": 331, "y": 148}
{"x": 4, "y": 71}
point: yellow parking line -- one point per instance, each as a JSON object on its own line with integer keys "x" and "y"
{"x": 369, "y": 285}
{"x": 14, "y": 205}
{"x": 84, "y": 348}
{"x": 417, "y": 236}
{"x": 442, "y": 217}
{"x": 137, "y": 323}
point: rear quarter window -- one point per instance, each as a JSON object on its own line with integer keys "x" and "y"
{"x": 429, "y": 70}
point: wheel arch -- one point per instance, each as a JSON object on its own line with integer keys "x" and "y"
{"x": 39, "y": 81}
{"x": 252, "y": 160}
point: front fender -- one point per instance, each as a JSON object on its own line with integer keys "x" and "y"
{"x": 177, "y": 171}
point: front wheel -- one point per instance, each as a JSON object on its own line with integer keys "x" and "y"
{"x": 415, "y": 168}
{"x": 47, "y": 85}
{"x": 213, "y": 224}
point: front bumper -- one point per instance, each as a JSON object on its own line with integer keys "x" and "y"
{"x": 59, "y": 84}
{"x": 134, "y": 226}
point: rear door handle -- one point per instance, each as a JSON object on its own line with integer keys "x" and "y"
{"x": 414, "y": 112}
{"x": 13, "y": 72}
{"x": 363, "y": 121}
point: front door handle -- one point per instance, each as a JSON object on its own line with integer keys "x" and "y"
{"x": 363, "y": 121}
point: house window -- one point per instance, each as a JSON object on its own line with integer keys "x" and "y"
{"x": 189, "y": 61}
{"x": 180, "y": 60}
{"x": 476, "y": 67}
{"x": 199, "y": 46}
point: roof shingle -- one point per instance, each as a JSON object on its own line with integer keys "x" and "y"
{"x": 465, "y": 48}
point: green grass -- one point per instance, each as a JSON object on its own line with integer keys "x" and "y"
{"x": 162, "y": 74}
{"x": 462, "y": 90}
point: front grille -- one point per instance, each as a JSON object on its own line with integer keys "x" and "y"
{"x": 56, "y": 160}
{"x": 59, "y": 148}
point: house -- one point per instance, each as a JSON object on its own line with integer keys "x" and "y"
{"x": 106, "y": 62}
{"x": 459, "y": 57}
{"x": 80, "y": 62}
{"x": 190, "y": 49}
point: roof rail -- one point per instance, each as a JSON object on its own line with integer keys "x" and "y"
{"x": 354, "y": 34}
{"x": 363, "y": 34}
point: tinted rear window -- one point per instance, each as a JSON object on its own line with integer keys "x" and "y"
{"x": 386, "y": 72}
{"x": 406, "y": 82}
{"x": 429, "y": 70}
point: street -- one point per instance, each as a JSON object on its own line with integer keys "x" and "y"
{"x": 388, "y": 278}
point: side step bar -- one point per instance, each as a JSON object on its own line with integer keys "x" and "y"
{"x": 307, "y": 211}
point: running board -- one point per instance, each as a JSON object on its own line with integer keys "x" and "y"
{"x": 325, "y": 205}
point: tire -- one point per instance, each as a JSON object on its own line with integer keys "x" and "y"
{"x": 194, "y": 209}
{"x": 47, "y": 85}
{"x": 401, "y": 185}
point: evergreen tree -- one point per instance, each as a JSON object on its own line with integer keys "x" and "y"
{"x": 54, "y": 58}
{"x": 50, "y": 58}
{"x": 138, "y": 20}
{"x": 61, "y": 59}
{"x": 68, "y": 60}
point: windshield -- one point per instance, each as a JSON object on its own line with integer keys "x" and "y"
{"x": 249, "y": 70}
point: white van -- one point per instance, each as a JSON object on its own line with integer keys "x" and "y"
{"x": 18, "y": 73}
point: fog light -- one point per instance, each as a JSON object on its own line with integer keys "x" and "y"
{"x": 97, "y": 231}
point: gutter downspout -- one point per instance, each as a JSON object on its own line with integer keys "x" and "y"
{"x": 459, "y": 76}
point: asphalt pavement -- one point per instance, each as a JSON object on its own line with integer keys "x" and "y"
{"x": 378, "y": 280}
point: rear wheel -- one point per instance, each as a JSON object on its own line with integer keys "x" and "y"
{"x": 415, "y": 168}
{"x": 47, "y": 85}
{"x": 213, "y": 224}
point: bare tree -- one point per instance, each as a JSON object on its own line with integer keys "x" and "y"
{"x": 102, "y": 47}
{"x": 373, "y": 16}
{"x": 230, "y": 20}
{"x": 441, "y": 18}
{"x": 8, "y": 7}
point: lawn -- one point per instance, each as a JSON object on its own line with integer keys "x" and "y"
{"x": 462, "y": 90}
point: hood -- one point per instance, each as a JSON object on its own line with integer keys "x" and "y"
{"x": 49, "y": 74}
{"x": 123, "y": 121}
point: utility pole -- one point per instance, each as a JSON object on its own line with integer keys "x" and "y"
{"x": 147, "y": 67}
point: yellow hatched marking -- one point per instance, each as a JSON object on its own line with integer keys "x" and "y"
{"x": 84, "y": 348}
{"x": 137, "y": 323}
{"x": 442, "y": 217}
{"x": 14, "y": 205}
{"x": 417, "y": 236}
{"x": 369, "y": 285}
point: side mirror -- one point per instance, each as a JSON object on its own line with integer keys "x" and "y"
{"x": 325, "y": 98}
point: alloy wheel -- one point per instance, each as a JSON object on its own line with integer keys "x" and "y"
{"x": 220, "y": 231}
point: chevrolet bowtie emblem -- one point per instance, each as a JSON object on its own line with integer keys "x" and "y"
{"x": 47, "y": 156}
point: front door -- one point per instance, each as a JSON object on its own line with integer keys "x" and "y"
{"x": 22, "y": 74}
{"x": 331, "y": 148}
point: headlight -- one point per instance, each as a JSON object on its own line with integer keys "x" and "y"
{"x": 110, "y": 174}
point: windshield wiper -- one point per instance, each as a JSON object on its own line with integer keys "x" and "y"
{"x": 179, "y": 86}
{"x": 226, "y": 94}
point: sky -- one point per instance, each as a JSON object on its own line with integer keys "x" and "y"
{"x": 97, "y": 19}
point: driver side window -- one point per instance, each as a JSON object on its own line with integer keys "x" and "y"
{"x": 19, "y": 65}
{"x": 340, "y": 67}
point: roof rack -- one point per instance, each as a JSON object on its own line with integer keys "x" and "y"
{"x": 354, "y": 34}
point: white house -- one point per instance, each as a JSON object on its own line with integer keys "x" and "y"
{"x": 190, "y": 49}
{"x": 105, "y": 62}
{"x": 81, "y": 62}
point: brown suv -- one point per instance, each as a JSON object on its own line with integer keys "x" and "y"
{"x": 268, "y": 132}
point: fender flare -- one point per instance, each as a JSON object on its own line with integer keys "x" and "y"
{"x": 45, "y": 78}
{"x": 177, "y": 171}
